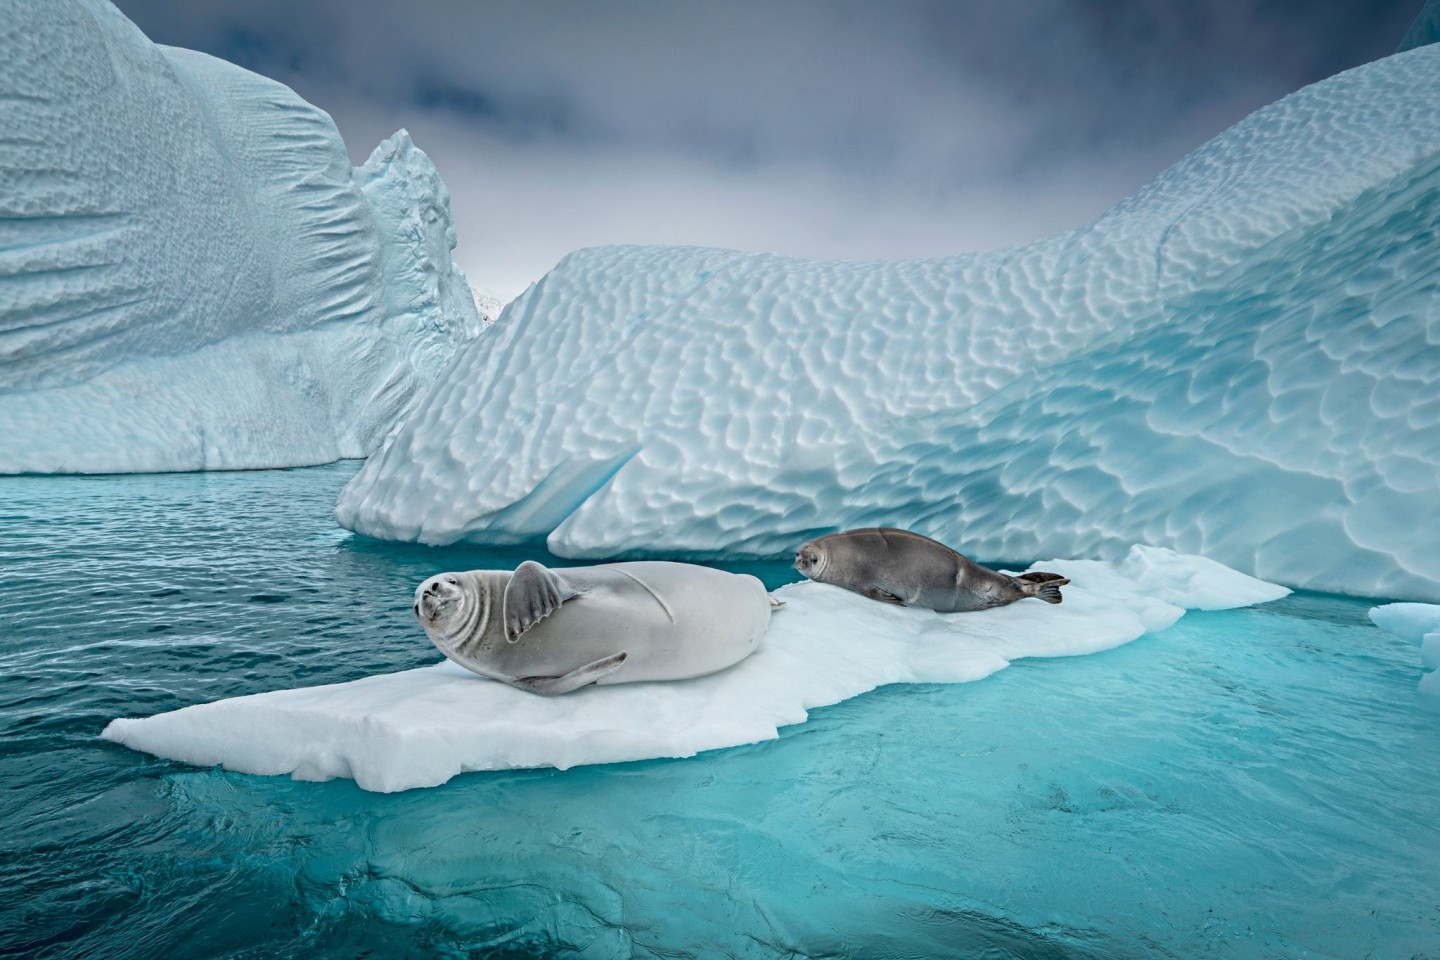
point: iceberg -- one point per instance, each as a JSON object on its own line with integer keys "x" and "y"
{"x": 1241, "y": 361}
{"x": 419, "y": 728}
{"x": 1420, "y": 624}
{"x": 1425, "y": 29}
{"x": 192, "y": 276}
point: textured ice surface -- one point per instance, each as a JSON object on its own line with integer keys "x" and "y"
{"x": 1420, "y": 624}
{"x": 422, "y": 727}
{"x": 1241, "y": 361}
{"x": 191, "y": 274}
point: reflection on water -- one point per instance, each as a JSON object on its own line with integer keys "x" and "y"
{"x": 1251, "y": 783}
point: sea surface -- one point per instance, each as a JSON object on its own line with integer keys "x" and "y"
{"x": 1253, "y": 783}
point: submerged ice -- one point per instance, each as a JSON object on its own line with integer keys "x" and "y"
{"x": 1241, "y": 361}
{"x": 192, "y": 275}
{"x": 421, "y": 727}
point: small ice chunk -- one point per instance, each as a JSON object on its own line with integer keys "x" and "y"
{"x": 1409, "y": 620}
{"x": 1420, "y": 624}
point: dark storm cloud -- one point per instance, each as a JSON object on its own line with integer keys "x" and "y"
{"x": 1003, "y": 120}
{"x": 863, "y": 83}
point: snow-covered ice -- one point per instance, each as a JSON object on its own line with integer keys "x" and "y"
{"x": 421, "y": 727}
{"x": 191, "y": 274}
{"x": 1420, "y": 624}
{"x": 1241, "y": 361}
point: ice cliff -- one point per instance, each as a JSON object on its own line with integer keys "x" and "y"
{"x": 191, "y": 274}
{"x": 1241, "y": 361}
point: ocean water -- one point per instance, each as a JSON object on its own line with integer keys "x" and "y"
{"x": 1254, "y": 783}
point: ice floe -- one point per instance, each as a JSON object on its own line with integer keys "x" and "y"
{"x": 421, "y": 727}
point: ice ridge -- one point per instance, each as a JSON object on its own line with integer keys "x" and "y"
{"x": 191, "y": 274}
{"x": 1241, "y": 361}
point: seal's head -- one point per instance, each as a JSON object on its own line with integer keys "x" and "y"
{"x": 455, "y": 611}
{"x": 812, "y": 559}
{"x": 440, "y": 602}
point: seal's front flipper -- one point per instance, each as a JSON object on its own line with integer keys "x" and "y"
{"x": 884, "y": 596}
{"x": 775, "y": 604}
{"x": 533, "y": 593}
{"x": 574, "y": 680}
{"x": 1045, "y": 586}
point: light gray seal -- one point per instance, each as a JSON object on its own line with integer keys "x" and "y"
{"x": 553, "y": 631}
{"x": 897, "y": 566}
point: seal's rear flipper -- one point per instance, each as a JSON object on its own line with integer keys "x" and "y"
{"x": 1046, "y": 586}
{"x": 574, "y": 680}
{"x": 1040, "y": 576}
{"x": 533, "y": 593}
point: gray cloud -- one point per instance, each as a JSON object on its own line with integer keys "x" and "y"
{"x": 834, "y": 129}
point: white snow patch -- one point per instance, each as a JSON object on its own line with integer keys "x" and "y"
{"x": 421, "y": 727}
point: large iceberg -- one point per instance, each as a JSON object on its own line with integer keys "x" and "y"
{"x": 191, "y": 274}
{"x": 1240, "y": 361}
{"x": 421, "y": 727}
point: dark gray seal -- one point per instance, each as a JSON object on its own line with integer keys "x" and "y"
{"x": 897, "y": 566}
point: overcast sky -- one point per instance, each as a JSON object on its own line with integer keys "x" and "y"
{"x": 826, "y": 129}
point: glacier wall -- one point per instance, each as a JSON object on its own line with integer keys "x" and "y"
{"x": 1241, "y": 361}
{"x": 191, "y": 274}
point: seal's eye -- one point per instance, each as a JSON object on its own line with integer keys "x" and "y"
{"x": 452, "y": 580}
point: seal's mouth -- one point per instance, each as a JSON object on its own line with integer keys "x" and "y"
{"x": 435, "y": 598}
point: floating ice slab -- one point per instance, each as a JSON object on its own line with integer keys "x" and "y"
{"x": 421, "y": 727}
{"x": 1420, "y": 624}
{"x": 192, "y": 276}
{"x": 1241, "y": 361}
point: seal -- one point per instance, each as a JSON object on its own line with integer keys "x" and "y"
{"x": 553, "y": 631}
{"x": 897, "y": 566}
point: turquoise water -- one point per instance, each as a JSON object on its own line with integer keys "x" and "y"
{"x": 1253, "y": 783}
